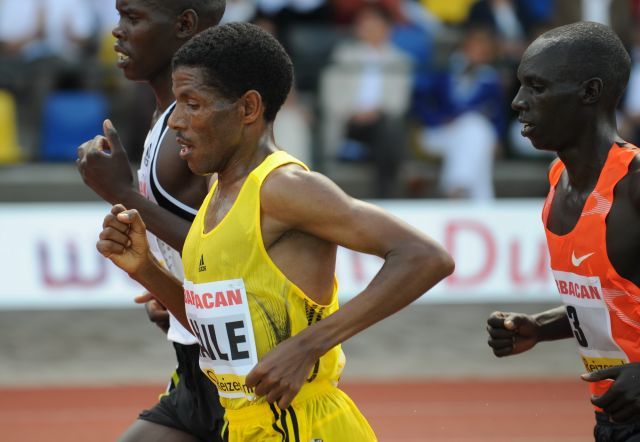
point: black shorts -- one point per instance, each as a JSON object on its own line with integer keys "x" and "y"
{"x": 606, "y": 431}
{"x": 193, "y": 405}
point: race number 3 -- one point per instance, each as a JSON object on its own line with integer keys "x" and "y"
{"x": 577, "y": 331}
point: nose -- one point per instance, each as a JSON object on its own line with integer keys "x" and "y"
{"x": 117, "y": 32}
{"x": 176, "y": 120}
{"x": 519, "y": 102}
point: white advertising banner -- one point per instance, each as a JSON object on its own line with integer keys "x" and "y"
{"x": 48, "y": 257}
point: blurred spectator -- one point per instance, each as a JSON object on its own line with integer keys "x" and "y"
{"x": 617, "y": 14}
{"x": 292, "y": 130}
{"x": 417, "y": 14}
{"x": 239, "y": 10}
{"x": 514, "y": 23}
{"x": 290, "y": 13}
{"x": 365, "y": 94}
{"x": 451, "y": 12}
{"x": 346, "y": 11}
{"x": 41, "y": 41}
{"x": 21, "y": 24}
{"x": 300, "y": 8}
{"x": 511, "y": 21}
{"x": 461, "y": 112}
{"x": 33, "y": 29}
{"x": 539, "y": 12}
{"x": 414, "y": 32}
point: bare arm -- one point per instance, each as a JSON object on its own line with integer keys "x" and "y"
{"x": 104, "y": 166}
{"x": 413, "y": 264}
{"x": 513, "y": 333}
{"x": 553, "y": 324}
{"x": 167, "y": 226}
{"x": 124, "y": 241}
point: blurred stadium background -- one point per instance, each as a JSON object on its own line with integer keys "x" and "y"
{"x": 401, "y": 102}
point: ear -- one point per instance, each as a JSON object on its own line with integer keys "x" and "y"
{"x": 187, "y": 24}
{"x": 252, "y": 106}
{"x": 591, "y": 90}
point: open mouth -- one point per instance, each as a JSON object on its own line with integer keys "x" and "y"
{"x": 527, "y": 128}
{"x": 185, "y": 148}
{"x": 123, "y": 57}
{"x": 185, "y": 151}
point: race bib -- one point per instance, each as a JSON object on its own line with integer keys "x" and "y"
{"x": 218, "y": 313}
{"x": 590, "y": 321}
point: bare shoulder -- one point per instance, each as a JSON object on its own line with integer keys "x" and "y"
{"x": 292, "y": 190}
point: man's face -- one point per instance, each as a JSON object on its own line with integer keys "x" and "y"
{"x": 145, "y": 39}
{"x": 548, "y": 101}
{"x": 209, "y": 126}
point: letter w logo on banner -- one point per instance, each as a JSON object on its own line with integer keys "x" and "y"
{"x": 577, "y": 261}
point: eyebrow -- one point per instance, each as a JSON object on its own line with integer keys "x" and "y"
{"x": 129, "y": 9}
{"x": 533, "y": 78}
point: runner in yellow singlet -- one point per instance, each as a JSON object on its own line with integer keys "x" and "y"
{"x": 260, "y": 292}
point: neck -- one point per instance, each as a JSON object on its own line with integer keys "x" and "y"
{"x": 161, "y": 86}
{"x": 247, "y": 157}
{"x": 585, "y": 158}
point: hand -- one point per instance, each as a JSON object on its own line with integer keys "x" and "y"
{"x": 511, "y": 333}
{"x": 622, "y": 401}
{"x": 104, "y": 165}
{"x": 281, "y": 372}
{"x": 157, "y": 312}
{"x": 124, "y": 239}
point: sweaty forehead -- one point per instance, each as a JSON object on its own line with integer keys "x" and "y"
{"x": 191, "y": 79}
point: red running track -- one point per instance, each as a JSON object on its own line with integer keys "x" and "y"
{"x": 447, "y": 411}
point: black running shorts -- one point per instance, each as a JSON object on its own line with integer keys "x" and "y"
{"x": 193, "y": 405}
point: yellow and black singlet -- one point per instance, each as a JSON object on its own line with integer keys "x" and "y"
{"x": 238, "y": 302}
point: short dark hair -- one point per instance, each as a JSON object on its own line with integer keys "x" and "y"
{"x": 594, "y": 50}
{"x": 210, "y": 11}
{"x": 238, "y": 57}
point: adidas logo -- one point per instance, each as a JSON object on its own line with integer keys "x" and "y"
{"x": 201, "y": 266}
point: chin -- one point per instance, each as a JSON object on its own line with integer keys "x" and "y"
{"x": 130, "y": 75}
{"x": 133, "y": 75}
{"x": 194, "y": 170}
{"x": 538, "y": 145}
{"x": 193, "y": 167}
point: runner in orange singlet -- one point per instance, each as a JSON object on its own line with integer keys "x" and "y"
{"x": 572, "y": 78}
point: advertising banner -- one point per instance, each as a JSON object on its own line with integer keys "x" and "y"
{"x": 48, "y": 257}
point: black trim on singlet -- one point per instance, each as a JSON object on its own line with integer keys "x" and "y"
{"x": 312, "y": 318}
{"x": 160, "y": 198}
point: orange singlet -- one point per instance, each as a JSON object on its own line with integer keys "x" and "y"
{"x": 602, "y": 306}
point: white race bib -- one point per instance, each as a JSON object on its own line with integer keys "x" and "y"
{"x": 219, "y": 316}
{"x": 590, "y": 321}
